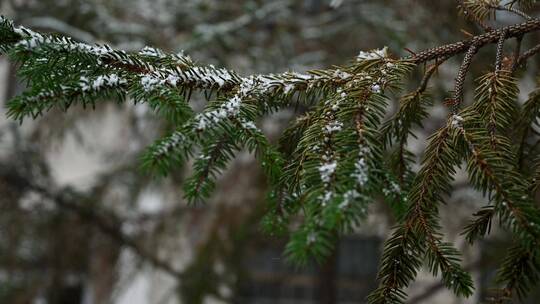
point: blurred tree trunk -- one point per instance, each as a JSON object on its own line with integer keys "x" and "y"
{"x": 327, "y": 279}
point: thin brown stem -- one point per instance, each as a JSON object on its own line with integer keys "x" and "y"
{"x": 517, "y": 52}
{"x": 460, "y": 79}
{"x": 510, "y": 9}
{"x": 427, "y": 75}
{"x": 499, "y": 55}
{"x": 528, "y": 54}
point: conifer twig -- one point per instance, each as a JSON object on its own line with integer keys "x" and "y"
{"x": 460, "y": 79}
{"x": 481, "y": 40}
{"x": 517, "y": 51}
{"x": 499, "y": 54}
{"x": 528, "y": 54}
{"x": 427, "y": 75}
{"x": 511, "y": 10}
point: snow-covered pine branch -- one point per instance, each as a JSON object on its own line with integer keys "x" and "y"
{"x": 340, "y": 155}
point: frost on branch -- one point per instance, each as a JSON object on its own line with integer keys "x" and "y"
{"x": 373, "y": 54}
{"x": 112, "y": 80}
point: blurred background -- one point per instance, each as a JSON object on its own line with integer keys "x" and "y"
{"x": 81, "y": 223}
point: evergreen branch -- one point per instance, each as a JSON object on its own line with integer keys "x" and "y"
{"x": 486, "y": 173}
{"x": 296, "y": 154}
{"x": 489, "y": 172}
{"x": 480, "y": 226}
{"x": 257, "y": 143}
{"x": 209, "y": 77}
{"x": 535, "y": 181}
{"x": 427, "y": 75}
{"x": 169, "y": 151}
{"x": 512, "y": 10}
{"x": 517, "y": 51}
{"x": 399, "y": 265}
{"x": 422, "y": 217}
{"x": 336, "y": 180}
{"x": 485, "y": 9}
{"x": 157, "y": 68}
{"x": 520, "y": 271}
{"x": 528, "y": 54}
{"x": 86, "y": 90}
{"x": 478, "y": 10}
{"x": 335, "y": 164}
{"x": 420, "y": 227}
{"x": 499, "y": 54}
{"x": 412, "y": 110}
{"x": 212, "y": 159}
{"x": 479, "y": 41}
{"x": 526, "y": 4}
{"x": 496, "y": 98}
{"x": 460, "y": 78}
{"x": 528, "y": 116}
